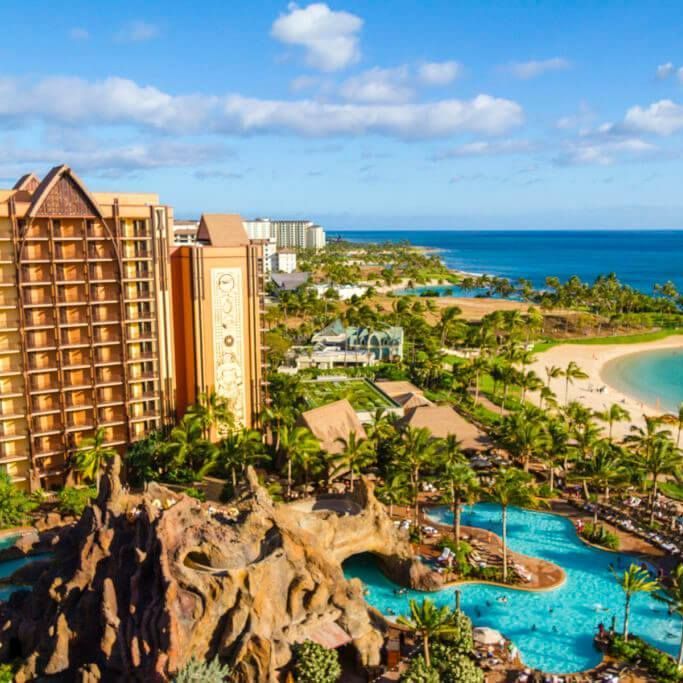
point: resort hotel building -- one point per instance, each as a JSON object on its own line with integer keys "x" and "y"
{"x": 218, "y": 296}
{"x": 102, "y": 327}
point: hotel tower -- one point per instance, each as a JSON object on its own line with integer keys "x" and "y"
{"x": 85, "y": 321}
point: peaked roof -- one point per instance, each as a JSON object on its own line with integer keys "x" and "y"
{"x": 442, "y": 421}
{"x": 70, "y": 198}
{"x": 28, "y": 182}
{"x": 331, "y": 422}
{"x": 222, "y": 230}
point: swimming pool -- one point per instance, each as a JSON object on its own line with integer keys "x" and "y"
{"x": 8, "y": 567}
{"x": 553, "y": 629}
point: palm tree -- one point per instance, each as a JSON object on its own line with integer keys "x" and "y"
{"x": 634, "y": 580}
{"x": 570, "y": 373}
{"x": 294, "y": 442}
{"x": 661, "y": 458}
{"x": 674, "y": 599}
{"x": 511, "y": 487}
{"x": 461, "y": 487}
{"x": 356, "y": 454}
{"x": 524, "y": 436}
{"x": 428, "y": 621}
{"x": 307, "y": 462}
{"x": 529, "y": 381}
{"x": 186, "y": 446}
{"x": 213, "y": 410}
{"x": 557, "y": 448}
{"x": 644, "y": 440}
{"x": 448, "y": 317}
{"x": 235, "y": 452}
{"x": 480, "y": 364}
{"x": 418, "y": 449}
{"x": 91, "y": 455}
{"x": 395, "y": 491}
{"x": 552, "y": 372}
{"x": 615, "y": 413}
{"x": 604, "y": 470}
{"x": 676, "y": 420}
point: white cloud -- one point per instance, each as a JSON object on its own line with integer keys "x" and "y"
{"x": 74, "y": 101}
{"x": 603, "y": 151}
{"x": 581, "y": 119}
{"x": 533, "y": 68}
{"x": 439, "y": 73}
{"x": 92, "y": 156}
{"x": 485, "y": 148}
{"x": 78, "y": 33}
{"x": 482, "y": 114}
{"x": 303, "y": 83}
{"x": 329, "y": 38}
{"x": 662, "y": 118}
{"x": 665, "y": 70}
{"x": 378, "y": 85}
{"x": 137, "y": 32}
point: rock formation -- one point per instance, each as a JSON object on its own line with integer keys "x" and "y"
{"x": 145, "y": 581}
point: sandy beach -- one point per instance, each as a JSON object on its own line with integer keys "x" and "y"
{"x": 592, "y": 359}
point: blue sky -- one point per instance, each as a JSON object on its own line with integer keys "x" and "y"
{"x": 378, "y": 115}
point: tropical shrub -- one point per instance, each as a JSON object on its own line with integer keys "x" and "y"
{"x": 460, "y": 639}
{"x": 659, "y": 664}
{"x": 599, "y": 535}
{"x": 419, "y": 672}
{"x": 6, "y": 673}
{"x": 72, "y": 500}
{"x": 143, "y": 459}
{"x": 196, "y": 671}
{"x": 454, "y": 666}
{"x": 194, "y": 492}
{"x": 316, "y": 664}
{"x": 14, "y": 503}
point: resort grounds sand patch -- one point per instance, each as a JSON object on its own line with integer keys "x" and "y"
{"x": 592, "y": 358}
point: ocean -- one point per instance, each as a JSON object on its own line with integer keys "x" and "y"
{"x": 639, "y": 258}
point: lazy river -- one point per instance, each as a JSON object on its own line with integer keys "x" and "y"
{"x": 553, "y": 629}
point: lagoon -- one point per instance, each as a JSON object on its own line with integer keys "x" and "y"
{"x": 653, "y": 377}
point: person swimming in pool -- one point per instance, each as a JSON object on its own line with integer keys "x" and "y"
{"x": 503, "y": 599}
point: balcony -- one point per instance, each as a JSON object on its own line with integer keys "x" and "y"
{"x": 39, "y": 318}
{"x": 135, "y": 229}
{"x": 71, "y": 273}
{"x": 103, "y": 271}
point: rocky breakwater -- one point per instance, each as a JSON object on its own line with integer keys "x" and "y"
{"x": 145, "y": 581}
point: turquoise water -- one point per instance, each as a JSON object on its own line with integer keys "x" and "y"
{"x": 10, "y": 566}
{"x": 654, "y": 377}
{"x": 563, "y": 639}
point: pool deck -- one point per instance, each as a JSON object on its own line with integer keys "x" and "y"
{"x": 628, "y": 542}
{"x": 544, "y": 575}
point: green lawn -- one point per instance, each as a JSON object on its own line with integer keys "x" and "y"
{"x": 617, "y": 339}
{"x": 359, "y": 393}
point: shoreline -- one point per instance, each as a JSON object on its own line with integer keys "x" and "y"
{"x": 592, "y": 359}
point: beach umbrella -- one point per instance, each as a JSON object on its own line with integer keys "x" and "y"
{"x": 486, "y": 636}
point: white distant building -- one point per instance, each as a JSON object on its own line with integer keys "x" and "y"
{"x": 286, "y": 261}
{"x": 185, "y": 232}
{"x": 262, "y": 229}
{"x": 315, "y": 237}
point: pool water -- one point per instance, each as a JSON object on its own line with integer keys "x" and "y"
{"x": 8, "y": 567}
{"x": 553, "y": 629}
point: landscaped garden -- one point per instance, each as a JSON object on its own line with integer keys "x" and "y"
{"x": 360, "y": 393}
